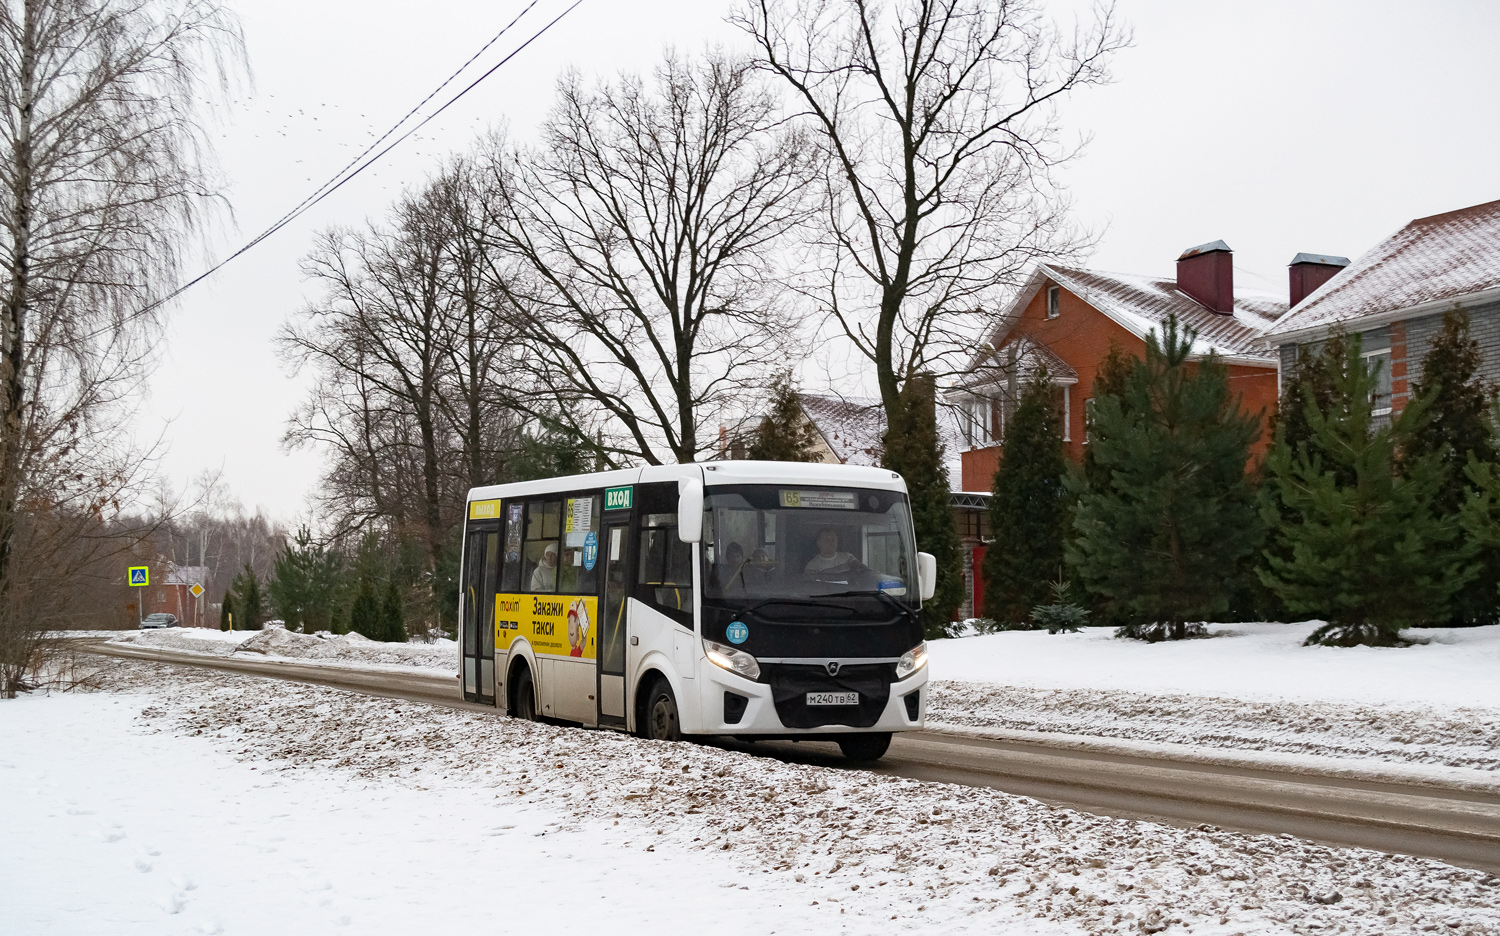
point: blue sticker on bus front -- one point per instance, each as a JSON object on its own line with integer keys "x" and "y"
{"x": 891, "y": 583}
{"x": 737, "y": 632}
{"x": 590, "y": 550}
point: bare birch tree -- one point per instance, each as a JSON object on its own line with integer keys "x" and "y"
{"x": 938, "y": 121}
{"x": 106, "y": 174}
{"x": 647, "y": 224}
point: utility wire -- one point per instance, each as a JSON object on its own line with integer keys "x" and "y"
{"x": 338, "y": 180}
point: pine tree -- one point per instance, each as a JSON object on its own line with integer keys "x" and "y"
{"x": 1061, "y": 615}
{"x": 1457, "y": 431}
{"x": 392, "y": 615}
{"x": 912, "y": 449}
{"x": 1480, "y": 514}
{"x": 226, "y": 611}
{"x": 365, "y": 612}
{"x": 1029, "y": 511}
{"x": 1355, "y": 541}
{"x": 247, "y": 600}
{"x": 305, "y": 583}
{"x": 1177, "y": 519}
{"x": 785, "y": 434}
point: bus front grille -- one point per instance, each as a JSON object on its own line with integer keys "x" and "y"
{"x": 790, "y": 683}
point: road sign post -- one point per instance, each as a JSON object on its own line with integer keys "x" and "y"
{"x": 139, "y": 577}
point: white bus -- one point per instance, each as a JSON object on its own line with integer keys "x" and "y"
{"x": 755, "y": 599}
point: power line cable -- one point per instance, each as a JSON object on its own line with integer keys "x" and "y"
{"x": 343, "y": 176}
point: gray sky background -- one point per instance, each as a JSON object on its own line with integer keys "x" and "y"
{"x": 1278, "y": 126}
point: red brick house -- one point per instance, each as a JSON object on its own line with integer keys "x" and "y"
{"x": 173, "y": 593}
{"x": 1067, "y": 320}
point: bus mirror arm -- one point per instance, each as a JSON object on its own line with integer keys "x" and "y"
{"x": 926, "y": 574}
{"x": 690, "y": 510}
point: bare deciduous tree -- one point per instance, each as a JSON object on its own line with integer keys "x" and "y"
{"x": 647, "y": 224}
{"x": 106, "y": 173}
{"x": 937, "y": 119}
{"x": 407, "y": 341}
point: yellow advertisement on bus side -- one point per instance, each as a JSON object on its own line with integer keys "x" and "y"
{"x": 556, "y": 625}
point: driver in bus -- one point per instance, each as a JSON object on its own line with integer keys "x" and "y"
{"x": 829, "y": 555}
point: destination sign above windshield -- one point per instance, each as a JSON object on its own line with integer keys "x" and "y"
{"x": 821, "y": 500}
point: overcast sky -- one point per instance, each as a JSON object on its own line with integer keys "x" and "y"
{"x": 1277, "y": 126}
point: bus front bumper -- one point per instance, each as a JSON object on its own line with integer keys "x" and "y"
{"x": 725, "y": 694}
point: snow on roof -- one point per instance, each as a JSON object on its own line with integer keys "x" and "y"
{"x": 186, "y": 575}
{"x": 1445, "y": 257}
{"x": 1141, "y": 305}
{"x": 853, "y": 427}
{"x": 1030, "y": 357}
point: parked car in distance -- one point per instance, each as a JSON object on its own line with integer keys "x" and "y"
{"x": 158, "y": 620}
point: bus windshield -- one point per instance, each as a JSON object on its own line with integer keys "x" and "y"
{"x": 790, "y": 542}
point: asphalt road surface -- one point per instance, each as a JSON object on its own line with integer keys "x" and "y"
{"x": 1458, "y": 826}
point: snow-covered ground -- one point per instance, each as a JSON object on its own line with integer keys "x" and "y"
{"x": 1251, "y": 687}
{"x": 189, "y": 801}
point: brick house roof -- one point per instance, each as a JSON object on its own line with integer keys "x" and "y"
{"x": 1141, "y": 305}
{"x": 1433, "y": 260}
{"x": 854, "y": 426}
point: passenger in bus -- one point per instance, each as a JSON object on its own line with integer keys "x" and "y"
{"x": 829, "y": 555}
{"x": 730, "y": 571}
{"x": 544, "y": 576}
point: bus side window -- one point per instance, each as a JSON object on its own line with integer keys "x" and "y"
{"x": 541, "y": 552}
{"x": 665, "y": 576}
{"x": 510, "y": 574}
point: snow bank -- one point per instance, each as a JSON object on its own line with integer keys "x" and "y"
{"x": 347, "y": 649}
{"x": 1248, "y": 688}
{"x": 858, "y": 851}
{"x": 1264, "y": 662}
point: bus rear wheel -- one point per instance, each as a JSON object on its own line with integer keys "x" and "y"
{"x": 525, "y": 698}
{"x": 865, "y": 747}
{"x": 662, "y": 723}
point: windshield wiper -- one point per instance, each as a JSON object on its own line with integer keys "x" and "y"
{"x": 888, "y": 599}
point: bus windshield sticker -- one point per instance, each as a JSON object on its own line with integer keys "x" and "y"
{"x": 590, "y": 550}
{"x": 821, "y": 500}
{"x": 737, "y": 632}
{"x": 618, "y": 498}
{"x": 513, "y": 533}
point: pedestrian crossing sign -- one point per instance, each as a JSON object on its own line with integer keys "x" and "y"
{"x": 140, "y": 575}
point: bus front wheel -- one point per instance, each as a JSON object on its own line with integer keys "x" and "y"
{"x": 662, "y": 723}
{"x": 525, "y": 707}
{"x": 865, "y": 747}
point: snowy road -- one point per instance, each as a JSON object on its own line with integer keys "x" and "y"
{"x": 183, "y": 800}
{"x": 1461, "y": 826}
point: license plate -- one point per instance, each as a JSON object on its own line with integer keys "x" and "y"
{"x": 833, "y": 698}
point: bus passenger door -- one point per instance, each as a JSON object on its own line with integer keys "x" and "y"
{"x": 477, "y": 626}
{"x": 612, "y": 626}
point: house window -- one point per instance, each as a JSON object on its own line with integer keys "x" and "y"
{"x": 1379, "y": 363}
{"x": 977, "y": 422}
{"x": 1088, "y": 419}
{"x": 1053, "y": 298}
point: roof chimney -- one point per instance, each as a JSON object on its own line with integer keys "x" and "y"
{"x": 1309, "y": 271}
{"x": 1206, "y": 273}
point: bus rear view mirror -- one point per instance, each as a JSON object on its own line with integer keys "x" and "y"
{"x": 690, "y": 510}
{"x": 927, "y": 574}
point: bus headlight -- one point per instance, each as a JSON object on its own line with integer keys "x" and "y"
{"x": 911, "y": 661}
{"x": 736, "y": 661}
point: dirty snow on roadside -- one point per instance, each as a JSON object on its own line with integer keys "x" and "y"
{"x": 1252, "y": 687}
{"x": 890, "y": 853}
{"x": 351, "y": 648}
